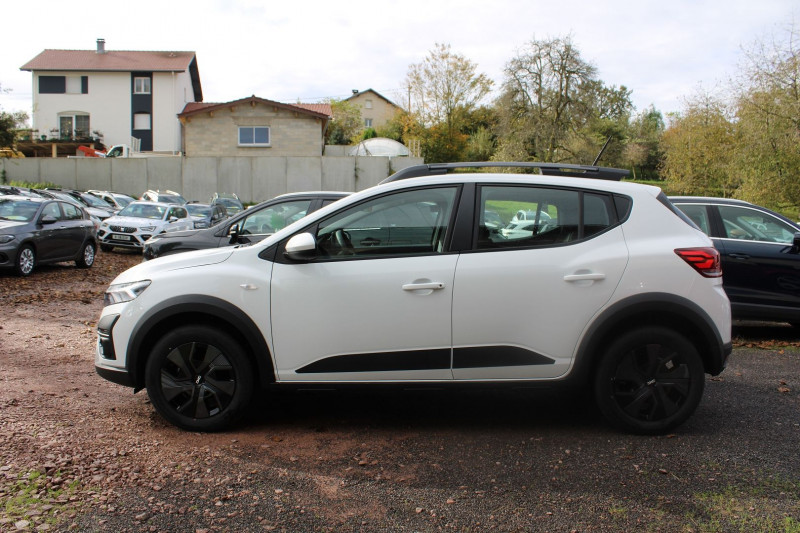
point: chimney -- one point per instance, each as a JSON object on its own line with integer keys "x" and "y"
{"x": 355, "y": 91}
{"x": 101, "y": 46}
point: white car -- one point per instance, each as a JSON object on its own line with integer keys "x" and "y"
{"x": 139, "y": 221}
{"x": 401, "y": 284}
{"x": 116, "y": 199}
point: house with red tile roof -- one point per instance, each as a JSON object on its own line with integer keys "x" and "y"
{"x": 115, "y": 94}
{"x": 376, "y": 109}
{"x": 254, "y": 126}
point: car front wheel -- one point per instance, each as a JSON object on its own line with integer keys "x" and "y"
{"x": 199, "y": 378}
{"x": 649, "y": 381}
{"x": 26, "y": 260}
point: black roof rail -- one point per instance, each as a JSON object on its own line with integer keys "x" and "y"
{"x": 550, "y": 169}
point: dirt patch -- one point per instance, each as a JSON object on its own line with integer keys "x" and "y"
{"x": 80, "y": 453}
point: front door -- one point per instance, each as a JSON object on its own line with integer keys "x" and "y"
{"x": 374, "y": 305}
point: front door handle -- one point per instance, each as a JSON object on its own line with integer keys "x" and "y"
{"x": 427, "y": 286}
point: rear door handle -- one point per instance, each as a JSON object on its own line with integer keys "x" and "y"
{"x": 591, "y": 276}
{"x": 739, "y": 256}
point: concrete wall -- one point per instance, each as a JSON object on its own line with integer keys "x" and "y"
{"x": 254, "y": 179}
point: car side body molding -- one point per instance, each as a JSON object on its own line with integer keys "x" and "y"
{"x": 465, "y": 357}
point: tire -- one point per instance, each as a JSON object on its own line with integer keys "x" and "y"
{"x": 649, "y": 381}
{"x": 106, "y": 247}
{"x": 199, "y": 378}
{"x": 86, "y": 259}
{"x": 26, "y": 260}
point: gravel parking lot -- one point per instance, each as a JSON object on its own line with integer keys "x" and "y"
{"x": 78, "y": 453}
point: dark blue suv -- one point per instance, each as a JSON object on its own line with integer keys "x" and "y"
{"x": 760, "y": 252}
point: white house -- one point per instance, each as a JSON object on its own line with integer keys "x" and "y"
{"x": 118, "y": 94}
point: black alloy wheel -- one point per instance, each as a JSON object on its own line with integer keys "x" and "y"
{"x": 649, "y": 381}
{"x": 199, "y": 378}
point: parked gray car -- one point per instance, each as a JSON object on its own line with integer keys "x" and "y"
{"x": 36, "y": 231}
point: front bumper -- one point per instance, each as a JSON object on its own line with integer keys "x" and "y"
{"x": 122, "y": 240}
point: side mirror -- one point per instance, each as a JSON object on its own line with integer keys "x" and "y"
{"x": 233, "y": 233}
{"x": 50, "y": 219}
{"x": 795, "y": 244}
{"x": 301, "y": 247}
{"x": 173, "y": 219}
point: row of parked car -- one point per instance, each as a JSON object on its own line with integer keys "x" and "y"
{"x": 40, "y": 226}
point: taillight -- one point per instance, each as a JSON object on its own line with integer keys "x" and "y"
{"x": 704, "y": 260}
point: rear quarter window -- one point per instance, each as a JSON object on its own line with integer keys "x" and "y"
{"x": 680, "y": 214}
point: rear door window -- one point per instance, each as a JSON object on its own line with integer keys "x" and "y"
{"x": 521, "y": 216}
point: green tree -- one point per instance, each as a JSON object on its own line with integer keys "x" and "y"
{"x": 699, "y": 148}
{"x": 554, "y": 108}
{"x": 642, "y": 152}
{"x": 345, "y": 126}
{"x": 9, "y": 124}
{"x": 768, "y": 121}
{"x": 444, "y": 89}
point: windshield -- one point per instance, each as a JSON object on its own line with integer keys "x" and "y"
{"x": 123, "y": 200}
{"x": 94, "y": 201}
{"x": 198, "y": 210}
{"x": 20, "y": 210}
{"x": 155, "y": 212}
{"x": 229, "y": 202}
{"x": 171, "y": 199}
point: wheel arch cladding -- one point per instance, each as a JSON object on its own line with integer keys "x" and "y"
{"x": 197, "y": 309}
{"x": 657, "y": 309}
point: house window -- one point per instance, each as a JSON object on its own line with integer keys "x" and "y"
{"x": 368, "y": 104}
{"x": 367, "y": 122}
{"x": 141, "y": 121}
{"x": 81, "y": 126}
{"x": 73, "y": 126}
{"x": 52, "y": 84}
{"x": 63, "y": 84}
{"x": 254, "y": 136}
{"x": 141, "y": 85}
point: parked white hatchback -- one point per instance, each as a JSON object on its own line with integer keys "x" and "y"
{"x": 404, "y": 283}
{"x": 140, "y": 220}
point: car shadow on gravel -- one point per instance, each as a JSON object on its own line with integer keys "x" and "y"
{"x": 437, "y": 408}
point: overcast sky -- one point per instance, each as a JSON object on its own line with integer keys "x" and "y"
{"x": 310, "y": 50}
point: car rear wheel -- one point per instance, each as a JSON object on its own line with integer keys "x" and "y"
{"x": 26, "y": 260}
{"x": 199, "y": 378}
{"x": 86, "y": 259}
{"x": 649, "y": 381}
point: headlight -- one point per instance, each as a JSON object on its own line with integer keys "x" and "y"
{"x": 124, "y": 292}
{"x": 104, "y": 224}
{"x": 147, "y": 228}
{"x": 6, "y": 238}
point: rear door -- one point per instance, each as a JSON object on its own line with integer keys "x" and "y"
{"x": 73, "y": 229}
{"x": 522, "y": 299}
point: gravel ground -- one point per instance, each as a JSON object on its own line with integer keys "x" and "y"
{"x": 78, "y": 453}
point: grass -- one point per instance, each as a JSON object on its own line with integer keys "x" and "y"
{"x": 749, "y": 509}
{"x": 31, "y": 493}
